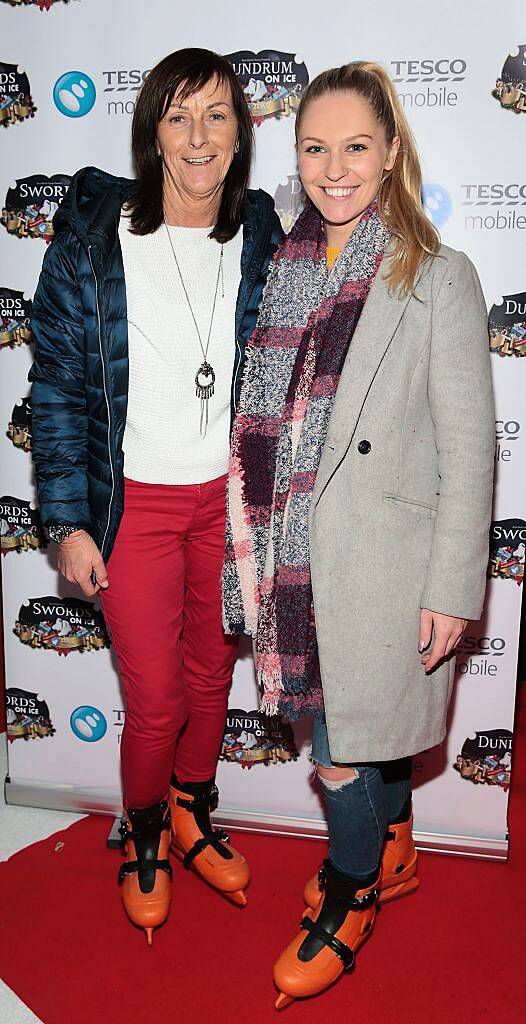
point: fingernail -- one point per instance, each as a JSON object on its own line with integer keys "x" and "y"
{"x": 421, "y": 646}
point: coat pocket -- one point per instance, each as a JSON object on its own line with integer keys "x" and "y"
{"x": 416, "y": 506}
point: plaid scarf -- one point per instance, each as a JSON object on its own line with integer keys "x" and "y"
{"x": 296, "y": 354}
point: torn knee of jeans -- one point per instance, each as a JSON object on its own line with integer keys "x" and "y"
{"x": 334, "y": 785}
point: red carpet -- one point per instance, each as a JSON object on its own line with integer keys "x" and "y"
{"x": 453, "y": 952}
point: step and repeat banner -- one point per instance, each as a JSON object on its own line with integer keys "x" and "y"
{"x": 70, "y": 71}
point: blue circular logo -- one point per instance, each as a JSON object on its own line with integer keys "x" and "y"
{"x": 437, "y": 203}
{"x": 88, "y": 723}
{"x": 74, "y": 94}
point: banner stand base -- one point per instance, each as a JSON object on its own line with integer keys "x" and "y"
{"x": 29, "y": 793}
{"x": 114, "y": 840}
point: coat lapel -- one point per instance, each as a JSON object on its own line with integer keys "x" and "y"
{"x": 375, "y": 330}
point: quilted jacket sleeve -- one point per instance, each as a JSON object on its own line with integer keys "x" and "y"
{"x": 60, "y": 421}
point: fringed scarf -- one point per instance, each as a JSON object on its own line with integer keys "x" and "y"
{"x": 296, "y": 354}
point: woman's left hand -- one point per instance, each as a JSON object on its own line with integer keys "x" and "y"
{"x": 446, "y": 631}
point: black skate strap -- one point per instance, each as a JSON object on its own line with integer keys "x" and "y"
{"x": 197, "y": 801}
{"x": 132, "y": 866}
{"x": 126, "y": 832}
{"x": 342, "y": 951}
{"x": 215, "y": 839}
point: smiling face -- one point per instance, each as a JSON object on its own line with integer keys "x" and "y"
{"x": 196, "y": 140}
{"x": 342, "y": 155}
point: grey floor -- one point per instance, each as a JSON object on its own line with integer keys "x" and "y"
{"x": 19, "y": 827}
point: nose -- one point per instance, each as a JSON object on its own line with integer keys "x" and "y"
{"x": 335, "y": 168}
{"x": 198, "y": 136}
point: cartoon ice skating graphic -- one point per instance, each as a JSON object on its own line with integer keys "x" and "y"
{"x": 486, "y": 758}
{"x": 44, "y": 5}
{"x": 20, "y": 525}
{"x": 252, "y": 738}
{"x": 16, "y": 103}
{"x": 272, "y": 82}
{"x": 27, "y": 715}
{"x": 507, "y": 550}
{"x": 508, "y": 563}
{"x": 62, "y": 625}
{"x": 507, "y": 326}
{"x": 15, "y": 318}
{"x": 19, "y": 426}
{"x": 510, "y": 88}
{"x": 31, "y": 204}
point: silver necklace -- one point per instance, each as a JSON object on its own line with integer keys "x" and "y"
{"x": 205, "y": 376}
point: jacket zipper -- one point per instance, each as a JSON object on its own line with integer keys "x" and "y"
{"x": 108, "y": 410}
{"x": 238, "y": 347}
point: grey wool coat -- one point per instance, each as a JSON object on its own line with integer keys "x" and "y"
{"x": 401, "y": 508}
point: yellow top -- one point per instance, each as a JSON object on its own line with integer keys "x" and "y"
{"x": 333, "y": 251}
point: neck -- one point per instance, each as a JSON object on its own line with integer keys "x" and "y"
{"x": 337, "y": 235}
{"x": 189, "y": 211}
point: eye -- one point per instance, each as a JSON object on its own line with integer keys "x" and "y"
{"x": 216, "y": 116}
{"x": 176, "y": 119}
{"x": 314, "y": 149}
{"x": 356, "y": 147}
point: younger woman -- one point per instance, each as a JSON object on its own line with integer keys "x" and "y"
{"x": 360, "y": 495}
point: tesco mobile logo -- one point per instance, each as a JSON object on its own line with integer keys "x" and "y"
{"x": 437, "y": 203}
{"x": 88, "y": 723}
{"x": 74, "y": 94}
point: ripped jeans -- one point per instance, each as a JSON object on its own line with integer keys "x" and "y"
{"x": 360, "y": 809}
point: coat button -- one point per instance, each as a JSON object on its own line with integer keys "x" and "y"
{"x": 364, "y": 447}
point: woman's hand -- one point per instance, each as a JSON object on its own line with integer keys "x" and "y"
{"x": 446, "y": 630}
{"x": 78, "y": 558}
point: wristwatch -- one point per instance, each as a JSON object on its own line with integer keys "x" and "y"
{"x": 59, "y": 532}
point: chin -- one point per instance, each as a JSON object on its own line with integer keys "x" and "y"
{"x": 340, "y": 221}
{"x": 343, "y": 217}
{"x": 202, "y": 189}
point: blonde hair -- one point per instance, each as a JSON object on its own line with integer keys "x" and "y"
{"x": 399, "y": 196}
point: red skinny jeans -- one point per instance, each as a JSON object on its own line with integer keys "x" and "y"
{"x": 163, "y": 609}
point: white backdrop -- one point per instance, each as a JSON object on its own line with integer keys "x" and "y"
{"x": 446, "y": 64}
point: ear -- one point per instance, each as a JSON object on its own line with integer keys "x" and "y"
{"x": 392, "y": 154}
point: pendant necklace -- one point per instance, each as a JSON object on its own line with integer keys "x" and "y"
{"x": 205, "y": 376}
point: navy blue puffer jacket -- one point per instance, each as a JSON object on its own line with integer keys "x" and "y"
{"x": 80, "y": 372}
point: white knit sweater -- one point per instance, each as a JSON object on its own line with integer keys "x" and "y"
{"x": 162, "y": 444}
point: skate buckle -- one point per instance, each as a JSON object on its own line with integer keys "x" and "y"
{"x": 363, "y": 902}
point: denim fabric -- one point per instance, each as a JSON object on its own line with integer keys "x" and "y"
{"x": 359, "y": 812}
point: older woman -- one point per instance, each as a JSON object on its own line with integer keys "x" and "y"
{"x": 146, "y": 300}
{"x": 360, "y": 495}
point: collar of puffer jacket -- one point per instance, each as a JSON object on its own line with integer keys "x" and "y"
{"x": 92, "y": 206}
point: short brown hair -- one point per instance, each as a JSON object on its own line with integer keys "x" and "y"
{"x": 399, "y": 197}
{"x": 185, "y": 72}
